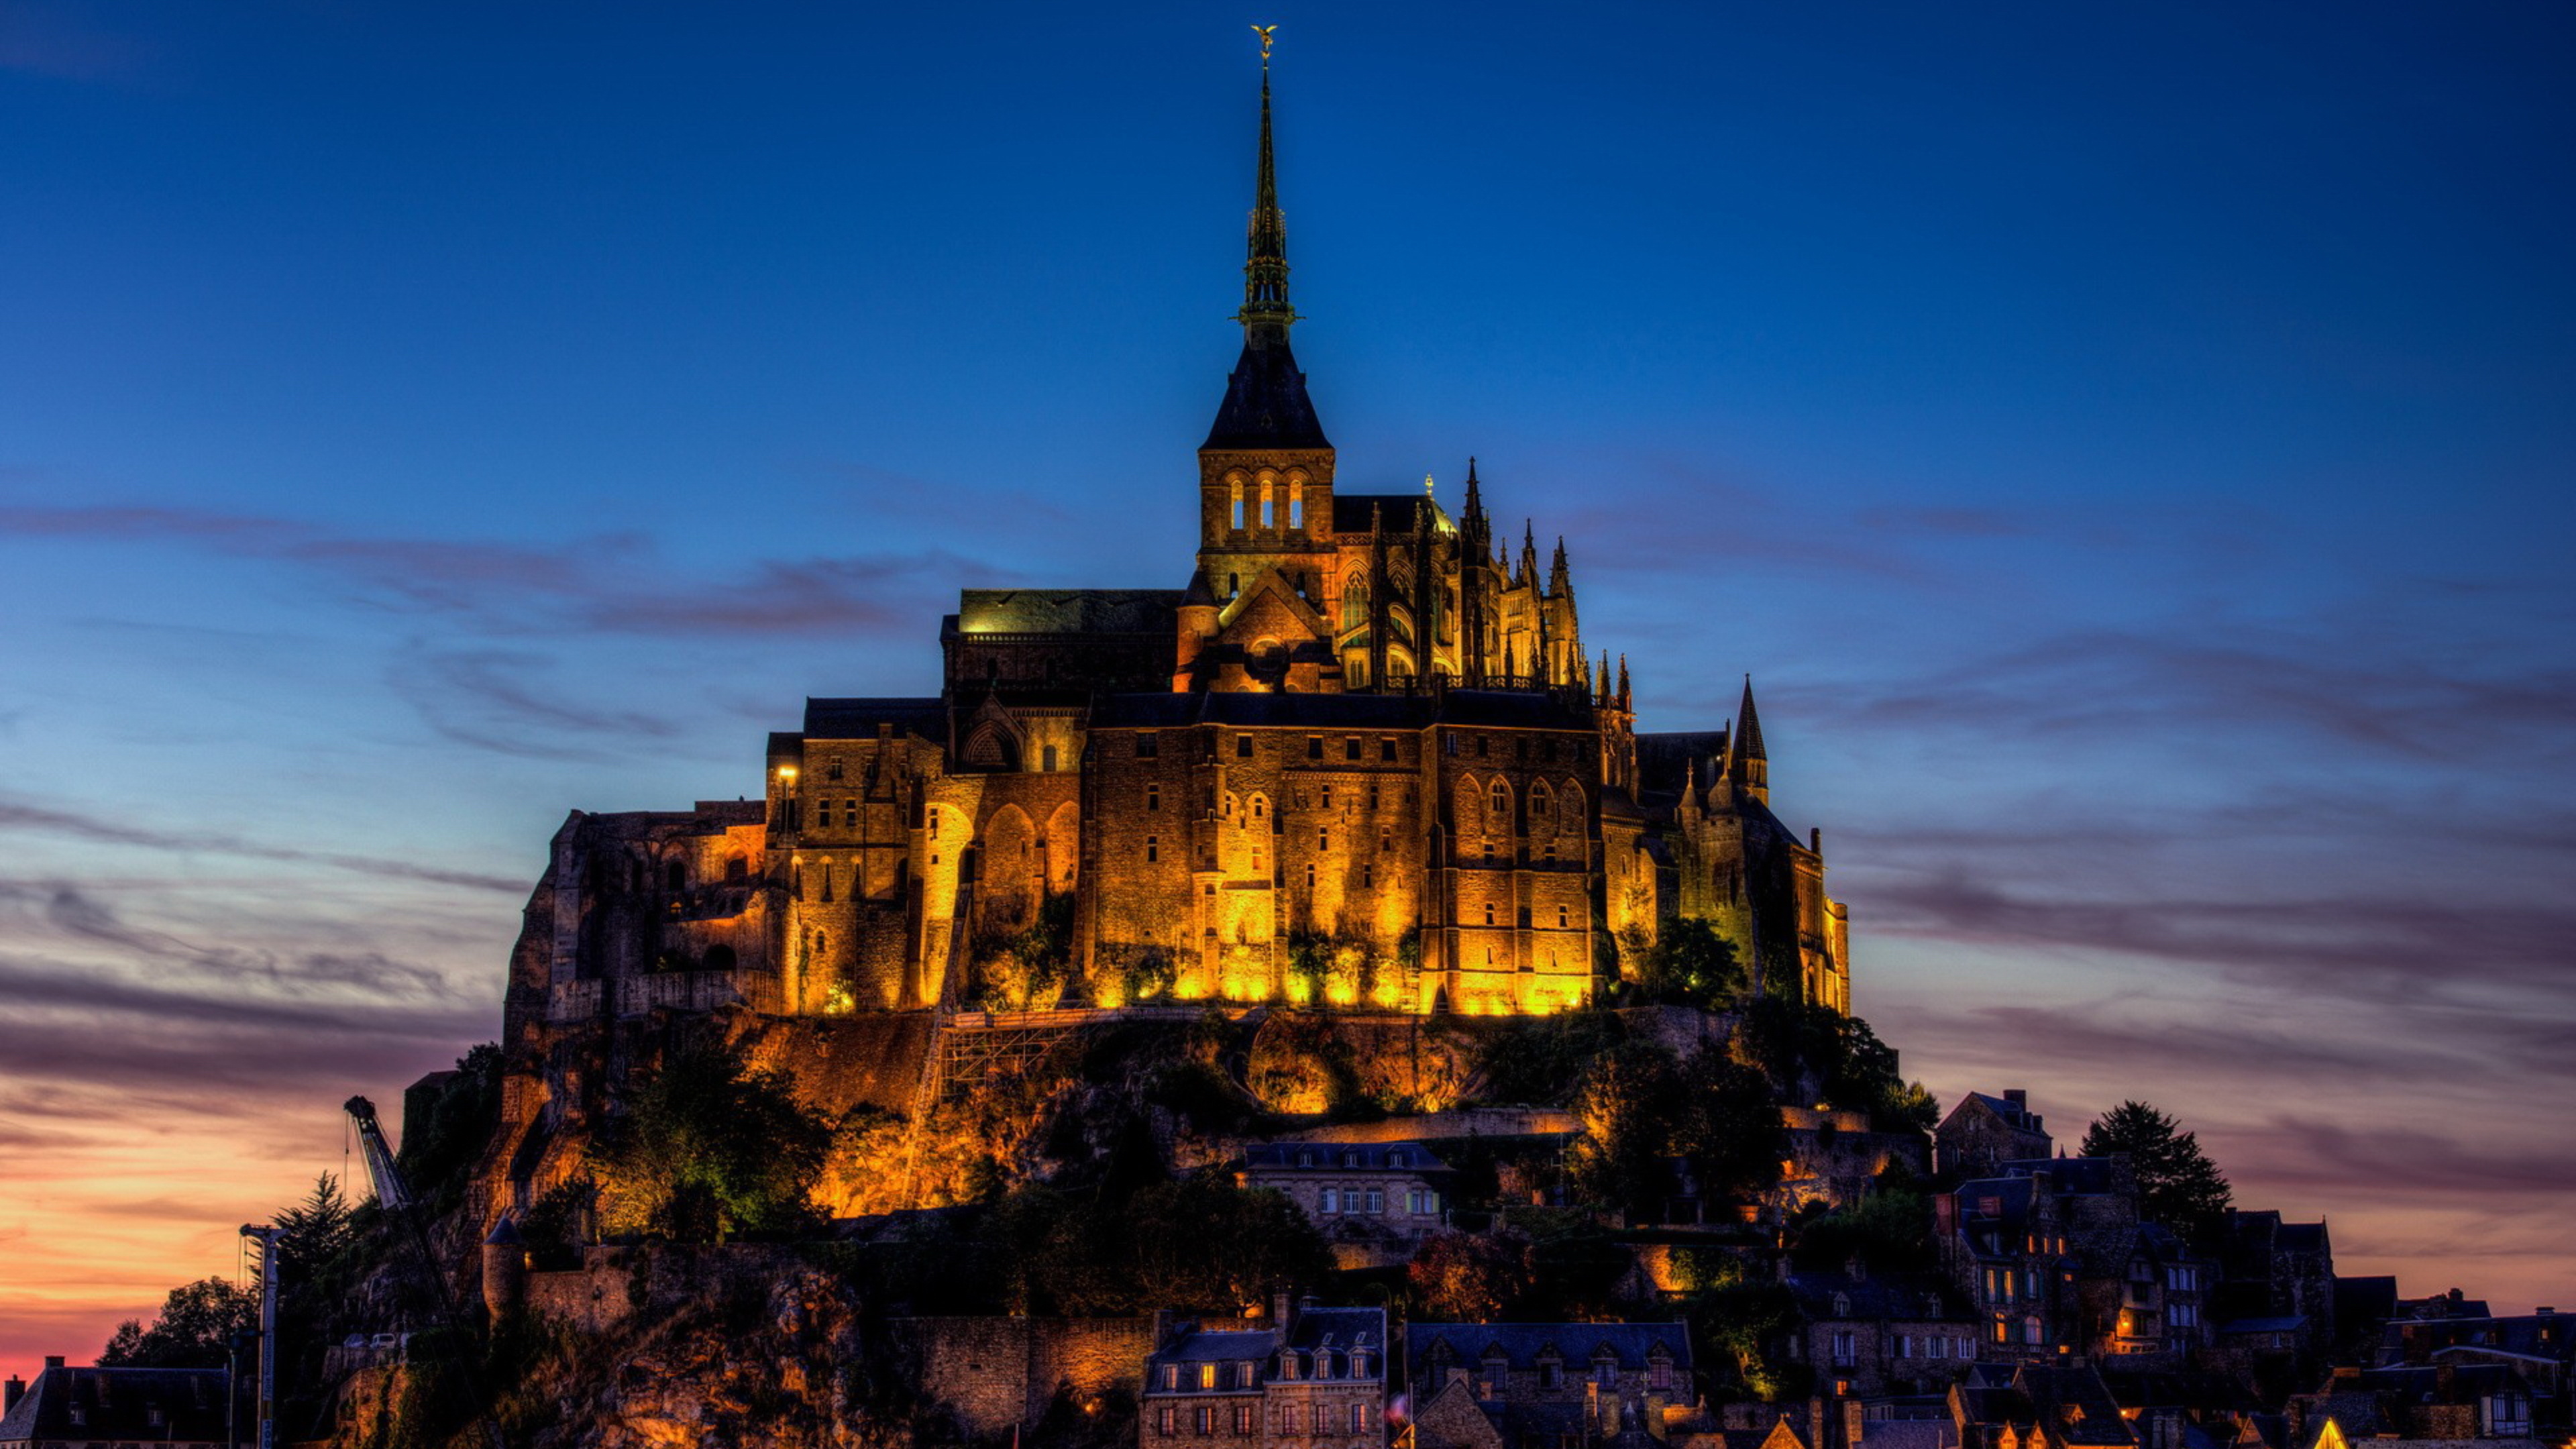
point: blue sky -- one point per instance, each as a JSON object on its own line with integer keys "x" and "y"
{"x": 2129, "y": 446}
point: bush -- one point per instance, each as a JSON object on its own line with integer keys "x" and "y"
{"x": 710, "y": 1148}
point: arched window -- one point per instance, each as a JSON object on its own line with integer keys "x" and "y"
{"x": 1236, "y": 486}
{"x": 1260, "y": 806}
{"x": 1355, "y": 602}
{"x": 1542, "y": 804}
{"x": 1233, "y": 803}
{"x": 1266, "y": 520}
{"x": 1296, "y": 503}
{"x": 736, "y": 868}
{"x": 1499, "y": 801}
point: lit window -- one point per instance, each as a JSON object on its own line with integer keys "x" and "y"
{"x": 1207, "y": 1375}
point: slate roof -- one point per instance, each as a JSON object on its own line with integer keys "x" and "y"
{"x": 1919, "y": 1297}
{"x": 1522, "y": 1343}
{"x": 119, "y": 1404}
{"x": 1265, "y": 402}
{"x": 1908, "y": 1434}
{"x": 2290, "y": 1323}
{"x": 1310, "y": 1329}
{"x": 1329, "y": 1157}
{"x": 1395, "y": 511}
{"x": 857, "y": 719}
{"x": 1067, "y": 611}
{"x": 1660, "y": 757}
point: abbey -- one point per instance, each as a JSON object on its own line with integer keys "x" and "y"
{"x": 1360, "y": 756}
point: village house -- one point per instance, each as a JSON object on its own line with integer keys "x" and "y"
{"x": 1983, "y": 1132}
{"x": 1374, "y": 1202}
{"x": 1314, "y": 1377}
{"x": 101, "y": 1408}
{"x": 1867, "y": 1335}
{"x": 1544, "y": 1385}
{"x": 2036, "y": 1406}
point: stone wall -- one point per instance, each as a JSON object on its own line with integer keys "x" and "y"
{"x": 994, "y": 1373}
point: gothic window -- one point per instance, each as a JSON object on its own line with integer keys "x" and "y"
{"x": 1541, "y": 804}
{"x": 1355, "y": 602}
{"x": 1499, "y": 801}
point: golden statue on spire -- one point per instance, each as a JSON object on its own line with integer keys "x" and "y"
{"x": 1267, "y": 33}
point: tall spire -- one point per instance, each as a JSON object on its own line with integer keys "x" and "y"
{"x": 1265, "y": 267}
{"x": 1748, "y": 727}
{"x": 1748, "y": 762}
{"x": 1265, "y": 400}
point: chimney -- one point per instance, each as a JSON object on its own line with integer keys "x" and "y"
{"x": 1280, "y": 1310}
{"x": 11, "y": 1392}
{"x": 53, "y": 1360}
{"x": 2018, "y": 1096}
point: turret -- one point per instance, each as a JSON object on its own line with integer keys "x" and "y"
{"x": 1747, "y": 763}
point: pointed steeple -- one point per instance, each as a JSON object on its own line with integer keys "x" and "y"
{"x": 1265, "y": 400}
{"x": 1529, "y": 554}
{"x": 1748, "y": 727}
{"x": 1559, "y": 582}
{"x": 1265, "y": 266}
{"x": 1747, "y": 762}
{"x": 1623, "y": 682}
{"x": 1474, "y": 509}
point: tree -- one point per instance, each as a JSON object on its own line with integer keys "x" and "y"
{"x": 194, "y": 1329}
{"x": 1727, "y": 1126}
{"x": 1469, "y": 1277}
{"x": 1691, "y": 965}
{"x": 709, "y": 1148}
{"x": 2177, "y": 1183}
{"x": 1627, "y": 1106}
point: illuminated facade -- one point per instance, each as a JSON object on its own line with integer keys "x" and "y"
{"x": 1360, "y": 757}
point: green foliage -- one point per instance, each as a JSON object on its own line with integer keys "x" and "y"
{"x": 1626, "y": 1107}
{"x": 1197, "y": 1243}
{"x": 558, "y": 1226}
{"x": 2177, "y": 1183}
{"x": 1541, "y": 1060}
{"x": 1739, "y": 1321}
{"x": 1814, "y": 1048}
{"x": 1310, "y": 961}
{"x": 1640, "y": 1109}
{"x": 1691, "y": 965}
{"x": 193, "y": 1330}
{"x": 1028, "y": 967}
{"x": 1469, "y": 1277}
{"x": 1727, "y": 1126}
{"x": 1889, "y": 1231}
{"x": 710, "y": 1148}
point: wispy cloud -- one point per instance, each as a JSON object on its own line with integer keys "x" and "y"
{"x": 614, "y": 583}
{"x": 21, "y": 814}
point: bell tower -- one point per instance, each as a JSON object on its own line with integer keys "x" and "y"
{"x": 1266, "y": 470}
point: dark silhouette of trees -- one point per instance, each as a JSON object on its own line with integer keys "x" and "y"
{"x": 2177, "y": 1183}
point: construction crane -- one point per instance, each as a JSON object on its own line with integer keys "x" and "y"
{"x": 394, "y": 1195}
